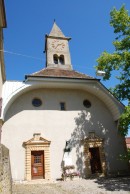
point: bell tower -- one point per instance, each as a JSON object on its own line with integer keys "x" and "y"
{"x": 57, "y": 49}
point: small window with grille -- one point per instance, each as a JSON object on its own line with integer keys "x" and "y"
{"x": 62, "y": 106}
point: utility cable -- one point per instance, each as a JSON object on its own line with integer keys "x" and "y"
{"x": 37, "y": 58}
{"x": 19, "y": 54}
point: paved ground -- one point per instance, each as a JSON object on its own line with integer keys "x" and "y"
{"x": 88, "y": 186}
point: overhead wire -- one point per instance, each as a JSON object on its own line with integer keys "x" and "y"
{"x": 19, "y": 54}
{"x": 36, "y": 58}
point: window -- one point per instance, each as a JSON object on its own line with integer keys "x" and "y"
{"x": 55, "y": 58}
{"x": 61, "y": 59}
{"x": 37, "y": 159}
{"x": 36, "y": 102}
{"x": 62, "y": 106}
{"x": 87, "y": 103}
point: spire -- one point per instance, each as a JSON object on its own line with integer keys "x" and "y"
{"x": 56, "y": 31}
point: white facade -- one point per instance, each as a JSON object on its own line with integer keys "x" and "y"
{"x": 23, "y": 120}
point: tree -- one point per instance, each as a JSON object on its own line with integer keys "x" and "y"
{"x": 119, "y": 60}
{"x": 125, "y": 156}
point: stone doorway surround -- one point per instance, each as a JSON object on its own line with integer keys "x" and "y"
{"x": 93, "y": 141}
{"x": 37, "y": 143}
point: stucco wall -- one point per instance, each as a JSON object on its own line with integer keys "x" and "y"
{"x": 23, "y": 120}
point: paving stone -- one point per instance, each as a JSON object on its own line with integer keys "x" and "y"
{"x": 82, "y": 186}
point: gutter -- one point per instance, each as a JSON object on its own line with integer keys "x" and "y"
{"x": 53, "y": 77}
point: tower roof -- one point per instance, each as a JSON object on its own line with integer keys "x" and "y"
{"x": 56, "y": 31}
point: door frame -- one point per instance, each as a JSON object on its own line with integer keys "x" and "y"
{"x": 93, "y": 141}
{"x": 95, "y": 161}
{"x": 37, "y": 143}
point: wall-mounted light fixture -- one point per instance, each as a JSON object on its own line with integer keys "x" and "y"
{"x": 67, "y": 146}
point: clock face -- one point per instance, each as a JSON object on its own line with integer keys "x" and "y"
{"x": 58, "y": 45}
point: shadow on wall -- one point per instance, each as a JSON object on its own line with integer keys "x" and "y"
{"x": 84, "y": 125}
{"x": 91, "y": 122}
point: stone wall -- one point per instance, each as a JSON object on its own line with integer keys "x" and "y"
{"x": 5, "y": 171}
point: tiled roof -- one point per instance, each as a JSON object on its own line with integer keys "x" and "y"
{"x": 127, "y": 140}
{"x": 60, "y": 73}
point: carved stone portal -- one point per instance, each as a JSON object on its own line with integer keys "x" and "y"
{"x": 95, "y": 162}
{"x": 37, "y": 143}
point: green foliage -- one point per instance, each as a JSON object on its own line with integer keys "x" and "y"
{"x": 124, "y": 122}
{"x": 126, "y": 156}
{"x": 119, "y": 60}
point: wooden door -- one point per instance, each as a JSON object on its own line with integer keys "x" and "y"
{"x": 37, "y": 164}
{"x": 95, "y": 160}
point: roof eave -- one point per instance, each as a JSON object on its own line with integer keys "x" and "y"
{"x": 54, "y": 77}
{"x": 58, "y": 37}
{"x": 112, "y": 94}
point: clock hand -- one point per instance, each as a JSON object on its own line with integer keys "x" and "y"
{"x": 58, "y": 45}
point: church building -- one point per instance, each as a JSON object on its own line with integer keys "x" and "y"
{"x": 59, "y": 117}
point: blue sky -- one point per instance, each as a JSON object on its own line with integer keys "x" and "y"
{"x": 85, "y": 21}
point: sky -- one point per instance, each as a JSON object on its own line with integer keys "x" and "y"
{"x": 85, "y": 21}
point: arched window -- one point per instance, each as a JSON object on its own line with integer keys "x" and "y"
{"x": 61, "y": 60}
{"x": 55, "y": 58}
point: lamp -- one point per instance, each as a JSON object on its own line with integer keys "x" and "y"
{"x": 67, "y": 146}
{"x": 100, "y": 73}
